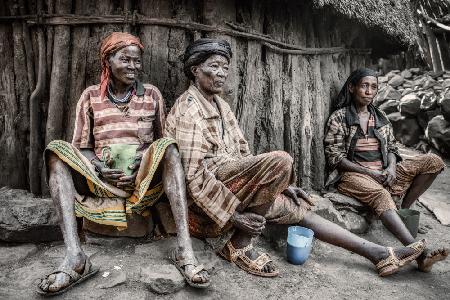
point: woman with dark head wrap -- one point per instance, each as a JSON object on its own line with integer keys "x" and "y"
{"x": 365, "y": 162}
{"x": 117, "y": 167}
{"x": 233, "y": 189}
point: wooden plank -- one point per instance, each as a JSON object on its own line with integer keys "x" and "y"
{"x": 13, "y": 172}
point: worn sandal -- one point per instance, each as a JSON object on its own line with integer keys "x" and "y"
{"x": 181, "y": 264}
{"x": 75, "y": 278}
{"x": 389, "y": 265}
{"x": 418, "y": 248}
{"x": 254, "y": 267}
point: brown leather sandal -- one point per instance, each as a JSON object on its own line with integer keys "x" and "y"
{"x": 255, "y": 267}
{"x": 418, "y": 248}
{"x": 389, "y": 265}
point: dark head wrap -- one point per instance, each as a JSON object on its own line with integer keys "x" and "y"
{"x": 201, "y": 50}
{"x": 345, "y": 97}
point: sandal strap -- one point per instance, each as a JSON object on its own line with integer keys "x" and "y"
{"x": 237, "y": 253}
{"x": 390, "y": 260}
{"x": 417, "y": 246}
{"x": 194, "y": 271}
{"x": 73, "y": 275}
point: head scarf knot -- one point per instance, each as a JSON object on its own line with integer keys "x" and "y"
{"x": 201, "y": 50}
{"x": 345, "y": 97}
{"x": 111, "y": 44}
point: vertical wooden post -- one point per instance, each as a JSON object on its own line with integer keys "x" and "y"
{"x": 59, "y": 76}
{"x": 34, "y": 160}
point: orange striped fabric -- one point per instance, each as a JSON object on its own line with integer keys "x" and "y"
{"x": 100, "y": 123}
{"x": 367, "y": 150}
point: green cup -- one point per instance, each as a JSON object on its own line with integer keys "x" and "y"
{"x": 122, "y": 156}
{"x": 410, "y": 218}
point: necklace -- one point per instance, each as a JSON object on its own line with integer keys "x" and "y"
{"x": 123, "y": 100}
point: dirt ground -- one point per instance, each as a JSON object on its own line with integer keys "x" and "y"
{"x": 330, "y": 273}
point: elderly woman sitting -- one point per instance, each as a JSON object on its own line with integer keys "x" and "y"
{"x": 233, "y": 189}
{"x": 120, "y": 115}
{"x": 365, "y": 162}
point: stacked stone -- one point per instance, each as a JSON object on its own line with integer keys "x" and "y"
{"x": 418, "y": 105}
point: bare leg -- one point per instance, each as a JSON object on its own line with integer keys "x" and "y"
{"x": 62, "y": 191}
{"x": 419, "y": 185}
{"x": 391, "y": 220}
{"x": 333, "y": 234}
{"x": 175, "y": 189}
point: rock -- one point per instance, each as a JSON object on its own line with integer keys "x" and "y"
{"x": 406, "y": 74}
{"x": 436, "y": 74}
{"x": 428, "y": 102}
{"x": 423, "y": 117}
{"x": 406, "y": 130}
{"x": 389, "y": 106}
{"x": 419, "y": 81}
{"x": 407, "y": 91}
{"x": 383, "y": 79}
{"x": 24, "y": 218}
{"x": 354, "y": 222}
{"x": 438, "y": 134}
{"x": 392, "y": 73}
{"x": 388, "y": 93}
{"x": 115, "y": 278}
{"x": 445, "y": 108}
{"x": 325, "y": 209}
{"x": 162, "y": 279}
{"x": 415, "y": 71}
{"x": 429, "y": 83}
{"x": 12, "y": 254}
{"x": 409, "y": 105}
{"x": 343, "y": 200}
{"x": 396, "y": 80}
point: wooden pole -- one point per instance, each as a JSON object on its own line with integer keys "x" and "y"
{"x": 59, "y": 76}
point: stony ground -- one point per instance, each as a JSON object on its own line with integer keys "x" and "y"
{"x": 135, "y": 269}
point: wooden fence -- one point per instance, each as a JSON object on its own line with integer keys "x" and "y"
{"x": 289, "y": 61}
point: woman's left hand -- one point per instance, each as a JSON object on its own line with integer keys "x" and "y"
{"x": 128, "y": 182}
{"x": 390, "y": 173}
{"x": 295, "y": 193}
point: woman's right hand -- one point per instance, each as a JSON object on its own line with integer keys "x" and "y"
{"x": 379, "y": 176}
{"x": 250, "y": 223}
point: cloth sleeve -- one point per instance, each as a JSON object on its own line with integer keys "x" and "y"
{"x": 83, "y": 136}
{"x": 334, "y": 141}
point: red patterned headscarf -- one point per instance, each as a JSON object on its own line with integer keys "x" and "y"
{"x": 111, "y": 44}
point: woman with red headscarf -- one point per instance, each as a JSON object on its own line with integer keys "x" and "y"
{"x": 117, "y": 166}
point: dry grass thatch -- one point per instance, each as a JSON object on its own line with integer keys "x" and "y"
{"x": 392, "y": 17}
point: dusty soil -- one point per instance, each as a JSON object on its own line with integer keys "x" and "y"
{"x": 330, "y": 273}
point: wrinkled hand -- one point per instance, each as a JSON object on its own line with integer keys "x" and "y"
{"x": 379, "y": 176}
{"x": 111, "y": 176}
{"x": 128, "y": 182}
{"x": 390, "y": 173}
{"x": 295, "y": 193}
{"x": 250, "y": 223}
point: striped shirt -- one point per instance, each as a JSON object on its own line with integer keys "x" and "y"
{"x": 100, "y": 123}
{"x": 367, "y": 150}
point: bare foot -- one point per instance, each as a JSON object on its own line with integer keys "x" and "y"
{"x": 58, "y": 281}
{"x": 429, "y": 258}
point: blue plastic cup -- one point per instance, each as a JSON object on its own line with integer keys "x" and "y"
{"x": 299, "y": 243}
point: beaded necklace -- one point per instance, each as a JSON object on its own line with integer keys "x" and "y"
{"x": 115, "y": 100}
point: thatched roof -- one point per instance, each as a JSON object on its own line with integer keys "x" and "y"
{"x": 392, "y": 17}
